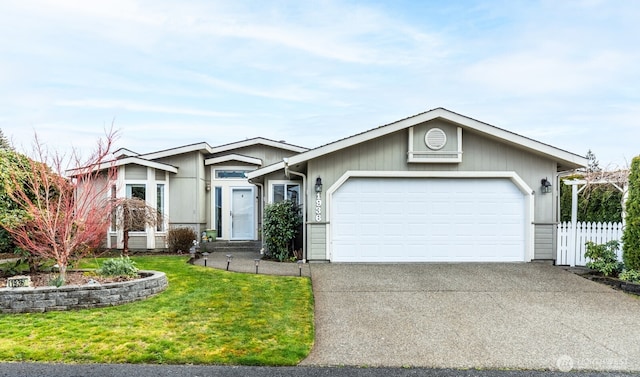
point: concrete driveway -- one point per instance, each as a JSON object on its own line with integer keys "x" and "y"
{"x": 530, "y": 315}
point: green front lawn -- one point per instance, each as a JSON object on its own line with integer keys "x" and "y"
{"x": 206, "y": 316}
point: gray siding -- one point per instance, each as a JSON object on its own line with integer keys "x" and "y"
{"x": 267, "y": 154}
{"x": 317, "y": 241}
{"x": 133, "y": 171}
{"x": 544, "y": 241}
{"x": 187, "y": 193}
{"x": 480, "y": 153}
{"x": 137, "y": 241}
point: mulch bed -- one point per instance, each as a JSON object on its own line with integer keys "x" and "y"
{"x": 44, "y": 279}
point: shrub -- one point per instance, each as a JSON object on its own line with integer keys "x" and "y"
{"x": 603, "y": 257}
{"x": 597, "y": 203}
{"x": 122, "y": 266}
{"x": 180, "y": 239}
{"x": 632, "y": 276}
{"x": 281, "y": 222}
{"x": 631, "y": 235}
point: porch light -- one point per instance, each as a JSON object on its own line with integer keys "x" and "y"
{"x": 229, "y": 257}
{"x": 257, "y": 261}
{"x": 205, "y": 255}
{"x": 300, "y": 267}
{"x": 546, "y": 186}
{"x": 318, "y": 184}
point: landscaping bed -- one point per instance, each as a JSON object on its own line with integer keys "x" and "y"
{"x": 45, "y": 279}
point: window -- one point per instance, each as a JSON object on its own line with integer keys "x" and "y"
{"x": 286, "y": 191}
{"x": 218, "y": 214}
{"x": 114, "y": 212}
{"x": 137, "y": 191}
{"x": 227, "y": 174}
{"x": 160, "y": 207}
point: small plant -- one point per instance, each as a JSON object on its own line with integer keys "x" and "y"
{"x": 180, "y": 239}
{"x": 58, "y": 281}
{"x": 122, "y": 266}
{"x": 632, "y": 276}
{"x": 13, "y": 268}
{"x": 603, "y": 258}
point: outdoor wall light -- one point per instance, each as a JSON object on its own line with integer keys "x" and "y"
{"x": 300, "y": 267}
{"x": 546, "y": 186}
{"x": 205, "y": 255}
{"x": 257, "y": 264}
{"x": 229, "y": 257}
{"x": 318, "y": 184}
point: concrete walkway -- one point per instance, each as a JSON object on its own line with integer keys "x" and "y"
{"x": 245, "y": 262}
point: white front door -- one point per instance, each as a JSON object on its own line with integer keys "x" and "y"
{"x": 242, "y": 212}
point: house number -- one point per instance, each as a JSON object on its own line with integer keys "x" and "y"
{"x": 318, "y": 207}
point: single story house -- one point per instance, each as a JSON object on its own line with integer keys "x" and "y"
{"x": 433, "y": 187}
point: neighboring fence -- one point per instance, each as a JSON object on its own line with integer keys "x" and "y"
{"x": 571, "y": 244}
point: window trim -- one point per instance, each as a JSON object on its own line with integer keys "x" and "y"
{"x": 286, "y": 183}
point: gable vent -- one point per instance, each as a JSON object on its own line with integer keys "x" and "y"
{"x": 435, "y": 139}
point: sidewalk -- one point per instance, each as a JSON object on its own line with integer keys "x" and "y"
{"x": 246, "y": 262}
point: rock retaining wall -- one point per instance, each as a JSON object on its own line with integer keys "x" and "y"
{"x": 44, "y": 299}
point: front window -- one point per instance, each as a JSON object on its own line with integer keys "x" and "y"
{"x": 218, "y": 214}
{"x": 286, "y": 191}
{"x": 138, "y": 191}
{"x": 160, "y": 208}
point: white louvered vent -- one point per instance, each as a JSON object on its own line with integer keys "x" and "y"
{"x": 435, "y": 139}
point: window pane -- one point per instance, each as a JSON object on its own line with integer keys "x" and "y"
{"x": 137, "y": 191}
{"x": 218, "y": 224}
{"x": 278, "y": 193}
{"x": 113, "y": 213}
{"x": 231, "y": 173}
{"x": 293, "y": 193}
{"x": 160, "y": 207}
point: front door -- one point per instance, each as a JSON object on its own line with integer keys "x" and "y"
{"x": 242, "y": 213}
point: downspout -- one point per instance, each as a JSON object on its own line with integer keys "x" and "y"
{"x": 287, "y": 173}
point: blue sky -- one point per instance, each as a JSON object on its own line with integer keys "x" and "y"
{"x": 169, "y": 73}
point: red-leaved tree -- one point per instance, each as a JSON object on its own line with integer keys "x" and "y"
{"x": 69, "y": 214}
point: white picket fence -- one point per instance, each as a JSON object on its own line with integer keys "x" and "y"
{"x": 571, "y": 244}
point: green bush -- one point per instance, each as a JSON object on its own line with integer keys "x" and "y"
{"x": 597, "y": 203}
{"x": 281, "y": 222}
{"x": 180, "y": 239}
{"x": 632, "y": 276}
{"x": 122, "y": 266}
{"x": 603, "y": 258}
{"x": 631, "y": 235}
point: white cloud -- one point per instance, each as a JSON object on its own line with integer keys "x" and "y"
{"x": 141, "y": 107}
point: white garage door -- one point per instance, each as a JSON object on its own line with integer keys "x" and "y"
{"x": 427, "y": 220}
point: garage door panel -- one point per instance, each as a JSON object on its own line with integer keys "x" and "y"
{"x": 440, "y": 220}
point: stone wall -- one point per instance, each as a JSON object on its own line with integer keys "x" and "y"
{"x": 43, "y": 299}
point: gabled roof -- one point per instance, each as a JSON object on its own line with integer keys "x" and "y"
{"x": 205, "y": 148}
{"x": 258, "y": 141}
{"x": 568, "y": 159}
{"x": 233, "y": 157}
{"x": 127, "y": 161}
{"x": 124, "y": 152}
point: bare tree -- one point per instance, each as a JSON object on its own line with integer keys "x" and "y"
{"x": 65, "y": 217}
{"x": 134, "y": 214}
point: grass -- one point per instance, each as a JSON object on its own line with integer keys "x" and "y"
{"x": 206, "y": 316}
